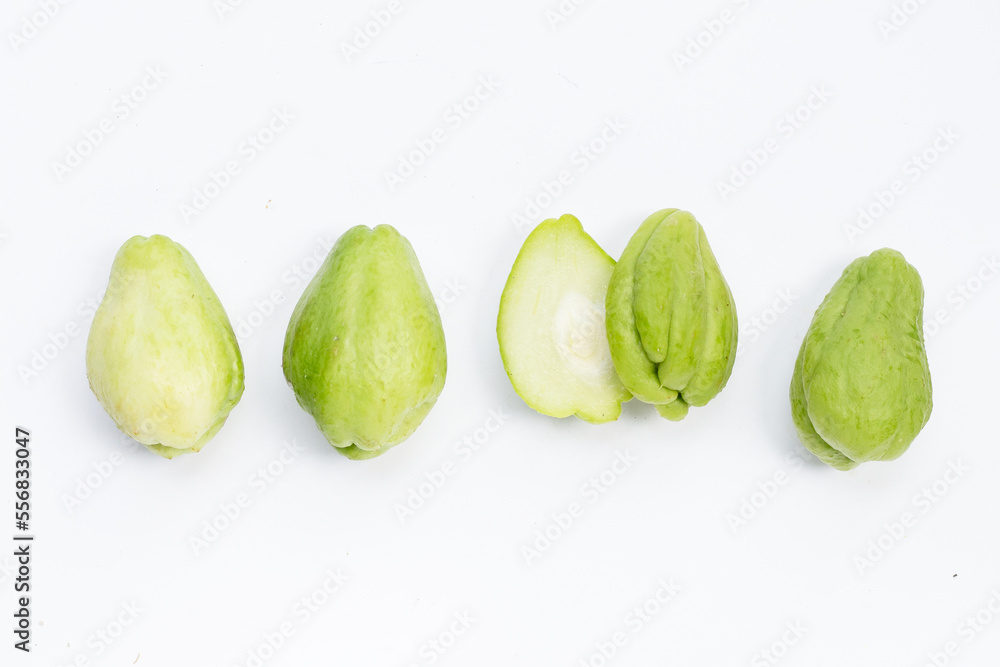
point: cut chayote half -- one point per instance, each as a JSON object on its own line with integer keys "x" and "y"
{"x": 364, "y": 350}
{"x": 861, "y": 390}
{"x": 161, "y": 355}
{"x": 551, "y": 325}
{"x": 671, "y": 319}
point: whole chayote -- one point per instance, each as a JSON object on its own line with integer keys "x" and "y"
{"x": 365, "y": 350}
{"x": 861, "y": 390}
{"x": 161, "y": 355}
{"x": 671, "y": 320}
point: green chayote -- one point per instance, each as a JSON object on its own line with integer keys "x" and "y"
{"x": 161, "y": 354}
{"x": 861, "y": 390}
{"x": 671, "y": 319}
{"x": 551, "y": 325}
{"x": 364, "y": 350}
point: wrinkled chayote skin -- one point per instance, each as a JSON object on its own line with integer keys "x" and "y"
{"x": 365, "y": 350}
{"x": 861, "y": 390}
{"x": 161, "y": 354}
{"x": 671, "y": 319}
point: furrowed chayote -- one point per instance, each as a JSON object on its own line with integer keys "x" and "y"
{"x": 671, "y": 319}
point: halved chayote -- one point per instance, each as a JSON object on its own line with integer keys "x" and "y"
{"x": 551, "y": 325}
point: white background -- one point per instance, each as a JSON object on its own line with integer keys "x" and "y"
{"x": 669, "y": 517}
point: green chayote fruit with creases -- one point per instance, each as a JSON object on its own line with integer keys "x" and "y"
{"x": 861, "y": 390}
{"x": 365, "y": 351}
{"x": 161, "y": 354}
{"x": 671, "y": 319}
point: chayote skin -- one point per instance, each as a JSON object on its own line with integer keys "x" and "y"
{"x": 161, "y": 354}
{"x": 861, "y": 390}
{"x": 671, "y": 320}
{"x": 365, "y": 350}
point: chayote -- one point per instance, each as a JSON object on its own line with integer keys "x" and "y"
{"x": 364, "y": 350}
{"x": 861, "y": 390}
{"x": 551, "y": 325}
{"x": 671, "y": 320}
{"x": 161, "y": 354}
